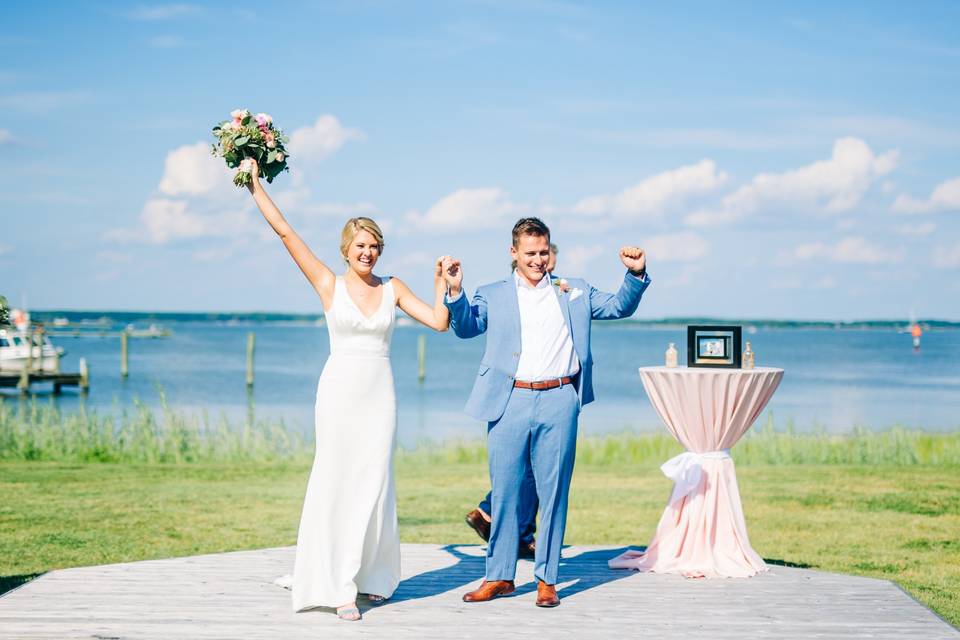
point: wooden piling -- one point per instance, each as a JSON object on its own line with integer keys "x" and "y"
{"x": 124, "y": 353}
{"x": 421, "y": 357}
{"x": 84, "y": 376}
{"x": 251, "y": 342}
{"x": 24, "y": 385}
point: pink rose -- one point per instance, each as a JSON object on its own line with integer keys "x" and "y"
{"x": 264, "y": 119}
{"x": 239, "y": 114}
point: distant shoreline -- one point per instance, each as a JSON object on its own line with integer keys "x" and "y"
{"x": 132, "y": 317}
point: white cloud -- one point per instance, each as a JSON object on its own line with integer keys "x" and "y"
{"x": 945, "y": 197}
{"x": 947, "y": 257}
{"x": 826, "y": 186}
{"x": 653, "y": 197}
{"x": 167, "y": 219}
{"x": 309, "y": 145}
{"x": 675, "y": 247}
{"x": 191, "y": 170}
{"x": 320, "y": 140}
{"x": 466, "y": 209}
{"x": 196, "y": 197}
{"x": 158, "y": 12}
{"x": 853, "y": 249}
{"x": 916, "y": 230}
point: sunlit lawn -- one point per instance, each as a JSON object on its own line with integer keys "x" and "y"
{"x": 894, "y": 522}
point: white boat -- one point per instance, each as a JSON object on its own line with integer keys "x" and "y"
{"x": 15, "y": 351}
{"x": 153, "y": 331}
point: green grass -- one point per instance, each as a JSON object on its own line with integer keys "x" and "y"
{"x": 86, "y": 489}
{"x": 892, "y": 522}
{"x": 39, "y": 431}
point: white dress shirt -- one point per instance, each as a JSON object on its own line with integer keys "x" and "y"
{"x": 546, "y": 348}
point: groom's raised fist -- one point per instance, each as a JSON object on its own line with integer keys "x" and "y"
{"x": 633, "y": 259}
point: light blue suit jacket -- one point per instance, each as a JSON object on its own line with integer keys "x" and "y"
{"x": 496, "y": 311}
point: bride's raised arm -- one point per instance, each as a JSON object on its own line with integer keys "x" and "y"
{"x": 436, "y": 317}
{"x": 319, "y": 274}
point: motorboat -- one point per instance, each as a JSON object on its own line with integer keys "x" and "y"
{"x": 16, "y": 350}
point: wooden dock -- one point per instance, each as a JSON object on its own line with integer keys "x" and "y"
{"x": 59, "y": 380}
{"x": 232, "y": 595}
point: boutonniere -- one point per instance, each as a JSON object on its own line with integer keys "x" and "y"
{"x": 563, "y": 287}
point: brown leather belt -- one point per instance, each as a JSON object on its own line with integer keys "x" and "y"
{"x": 543, "y": 384}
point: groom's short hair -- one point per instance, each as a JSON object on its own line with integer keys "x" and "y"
{"x": 529, "y": 227}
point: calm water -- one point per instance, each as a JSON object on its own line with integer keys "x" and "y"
{"x": 834, "y": 379}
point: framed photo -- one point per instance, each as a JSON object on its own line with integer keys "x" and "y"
{"x": 713, "y": 346}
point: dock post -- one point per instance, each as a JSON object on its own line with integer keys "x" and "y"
{"x": 56, "y": 359}
{"x": 124, "y": 353}
{"x": 421, "y": 357}
{"x": 251, "y": 341}
{"x": 24, "y": 384}
{"x": 84, "y": 376}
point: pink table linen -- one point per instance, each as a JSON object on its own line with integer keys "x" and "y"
{"x": 702, "y": 533}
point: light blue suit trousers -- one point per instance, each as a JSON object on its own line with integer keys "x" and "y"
{"x": 538, "y": 429}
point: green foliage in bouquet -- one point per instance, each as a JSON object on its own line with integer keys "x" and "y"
{"x": 4, "y": 311}
{"x": 246, "y": 136}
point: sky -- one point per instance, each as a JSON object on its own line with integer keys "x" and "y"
{"x": 774, "y": 160}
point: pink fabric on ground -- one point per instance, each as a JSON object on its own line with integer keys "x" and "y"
{"x": 704, "y": 533}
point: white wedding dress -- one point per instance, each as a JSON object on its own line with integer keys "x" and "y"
{"x": 348, "y": 540}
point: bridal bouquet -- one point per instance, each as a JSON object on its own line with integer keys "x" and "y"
{"x": 245, "y": 137}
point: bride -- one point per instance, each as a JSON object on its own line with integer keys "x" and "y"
{"x": 348, "y": 542}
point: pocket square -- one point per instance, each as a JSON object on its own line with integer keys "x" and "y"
{"x": 575, "y": 293}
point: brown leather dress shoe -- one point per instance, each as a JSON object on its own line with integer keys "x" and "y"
{"x": 546, "y": 595}
{"x": 479, "y": 524}
{"x": 527, "y": 550}
{"x": 490, "y": 590}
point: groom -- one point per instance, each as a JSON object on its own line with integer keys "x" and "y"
{"x": 535, "y": 374}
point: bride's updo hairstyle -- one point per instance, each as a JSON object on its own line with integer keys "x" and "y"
{"x": 355, "y": 226}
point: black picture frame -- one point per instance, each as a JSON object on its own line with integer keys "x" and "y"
{"x": 714, "y": 346}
